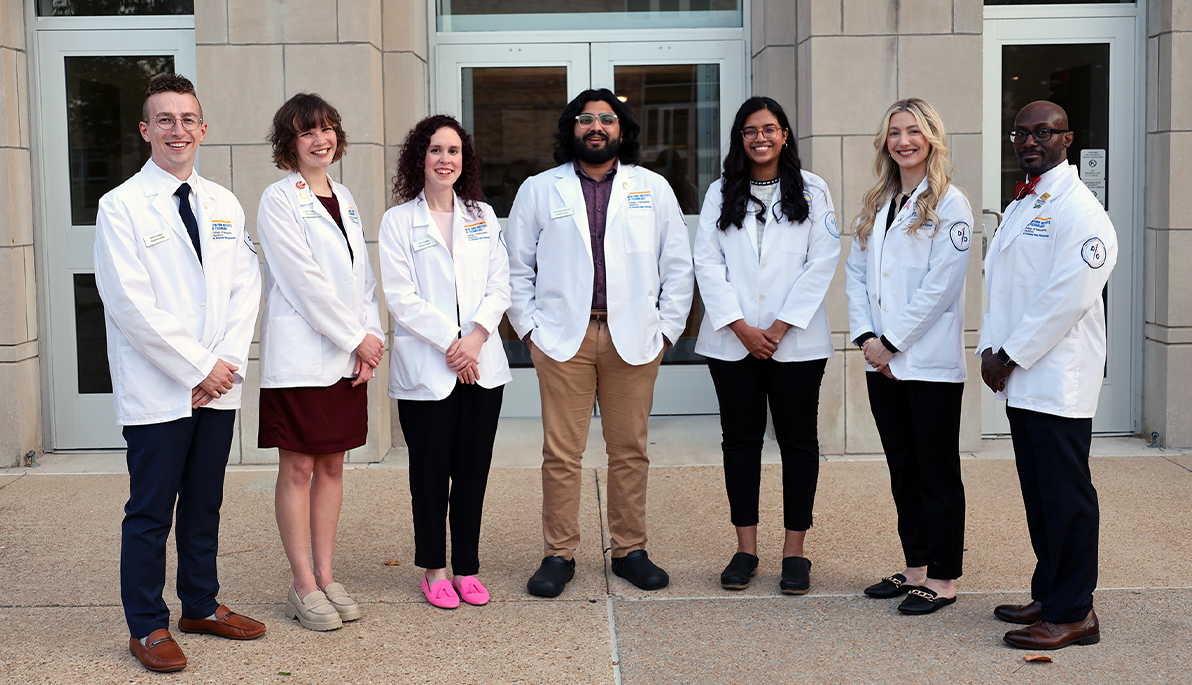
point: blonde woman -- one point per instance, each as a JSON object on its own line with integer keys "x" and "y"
{"x": 905, "y": 284}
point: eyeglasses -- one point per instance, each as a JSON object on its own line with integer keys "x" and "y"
{"x": 1041, "y": 135}
{"x": 166, "y": 122}
{"x": 586, "y": 120}
{"x": 769, "y": 132}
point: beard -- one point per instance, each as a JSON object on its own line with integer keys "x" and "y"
{"x": 600, "y": 155}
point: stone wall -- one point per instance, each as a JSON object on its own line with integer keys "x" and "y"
{"x": 1167, "y": 353}
{"x": 20, "y": 374}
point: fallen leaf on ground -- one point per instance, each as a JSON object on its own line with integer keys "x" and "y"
{"x": 1037, "y": 657}
{"x": 394, "y": 562}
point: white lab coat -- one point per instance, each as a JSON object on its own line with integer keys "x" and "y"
{"x": 647, "y": 263}
{"x": 319, "y": 301}
{"x": 169, "y": 319}
{"x": 789, "y": 283}
{"x": 1045, "y": 272}
{"x": 436, "y": 297}
{"x": 909, "y": 287}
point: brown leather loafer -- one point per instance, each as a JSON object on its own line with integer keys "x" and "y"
{"x": 1025, "y": 614}
{"x": 226, "y": 623}
{"x": 160, "y": 653}
{"x": 1048, "y": 635}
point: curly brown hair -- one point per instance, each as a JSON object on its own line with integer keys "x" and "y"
{"x": 301, "y": 113}
{"x": 410, "y": 178}
{"x": 168, "y": 83}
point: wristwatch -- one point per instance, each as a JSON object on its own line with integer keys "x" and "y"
{"x": 1004, "y": 359}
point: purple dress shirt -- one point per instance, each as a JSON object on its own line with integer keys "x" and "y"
{"x": 596, "y": 195}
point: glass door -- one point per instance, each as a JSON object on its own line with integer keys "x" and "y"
{"x": 1089, "y": 67}
{"x": 91, "y": 88}
{"x": 684, "y": 95}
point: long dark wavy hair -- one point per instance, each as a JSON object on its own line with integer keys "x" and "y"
{"x": 735, "y": 192}
{"x": 410, "y": 178}
{"x": 630, "y": 150}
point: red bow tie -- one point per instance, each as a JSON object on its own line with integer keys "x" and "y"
{"x": 1021, "y": 189}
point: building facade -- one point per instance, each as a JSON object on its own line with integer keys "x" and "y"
{"x": 72, "y": 76}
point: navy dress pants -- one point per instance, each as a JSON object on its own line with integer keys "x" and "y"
{"x": 1062, "y": 514}
{"x": 178, "y": 462}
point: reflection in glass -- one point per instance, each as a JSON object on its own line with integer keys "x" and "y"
{"x": 1057, "y": 2}
{"x": 104, "y": 96}
{"x": 1075, "y": 77}
{"x": 90, "y": 337}
{"x": 512, "y": 114}
{"x": 678, "y": 107}
{"x": 95, "y": 8}
{"x": 590, "y": 15}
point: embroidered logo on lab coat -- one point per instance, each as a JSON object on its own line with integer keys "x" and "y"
{"x": 222, "y": 230}
{"x": 353, "y": 215}
{"x": 1038, "y": 227}
{"x": 640, "y": 200}
{"x": 960, "y": 235}
{"x": 830, "y": 224}
{"x": 476, "y": 231}
{"x": 1094, "y": 252}
{"x": 248, "y": 241}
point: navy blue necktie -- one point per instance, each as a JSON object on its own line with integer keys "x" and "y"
{"x": 188, "y": 217}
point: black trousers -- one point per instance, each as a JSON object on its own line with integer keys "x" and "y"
{"x": 179, "y": 462}
{"x": 451, "y": 448}
{"x": 792, "y": 388}
{"x": 1052, "y": 455}
{"x": 919, "y": 424}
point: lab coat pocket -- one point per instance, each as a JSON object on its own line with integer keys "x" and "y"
{"x": 291, "y": 348}
{"x": 640, "y": 228}
{"x": 939, "y": 346}
{"x": 794, "y": 238}
{"x": 1033, "y": 265}
{"x": 916, "y": 253}
{"x": 408, "y": 352}
{"x": 147, "y": 390}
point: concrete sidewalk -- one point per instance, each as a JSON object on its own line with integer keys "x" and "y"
{"x": 62, "y": 621}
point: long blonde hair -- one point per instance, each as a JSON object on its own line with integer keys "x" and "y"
{"x": 939, "y": 170}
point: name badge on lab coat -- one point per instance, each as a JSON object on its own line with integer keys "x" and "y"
{"x": 308, "y": 212}
{"x": 420, "y": 245}
{"x": 155, "y": 238}
{"x": 561, "y": 212}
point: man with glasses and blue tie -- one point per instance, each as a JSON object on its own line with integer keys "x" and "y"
{"x": 180, "y": 285}
{"x": 1042, "y": 350}
{"x": 601, "y": 278}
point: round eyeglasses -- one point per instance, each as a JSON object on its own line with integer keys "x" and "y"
{"x": 768, "y": 132}
{"x": 166, "y": 122}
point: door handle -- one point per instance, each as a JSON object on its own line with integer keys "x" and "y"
{"x": 985, "y": 237}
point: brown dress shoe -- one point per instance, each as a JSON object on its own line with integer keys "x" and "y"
{"x": 1048, "y": 635}
{"x": 1025, "y": 614}
{"x": 226, "y": 623}
{"x": 159, "y": 653}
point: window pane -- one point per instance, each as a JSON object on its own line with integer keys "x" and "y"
{"x": 91, "y": 340}
{"x": 95, "y": 8}
{"x": 104, "y": 96}
{"x": 512, "y": 114}
{"x": 1057, "y": 2}
{"x": 678, "y": 108}
{"x": 540, "y": 15}
{"x": 1075, "y": 77}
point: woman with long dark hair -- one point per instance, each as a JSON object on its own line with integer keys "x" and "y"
{"x": 765, "y": 252}
{"x": 446, "y": 278}
{"x": 321, "y": 338}
{"x": 905, "y": 283}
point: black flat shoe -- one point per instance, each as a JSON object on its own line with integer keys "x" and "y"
{"x": 551, "y": 577}
{"x": 921, "y": 601}
{"x": 890, "y": 586}
{"x": 637, "y": 568}
{"x": 739, "y": 572}
{"x": 796, "y": 576}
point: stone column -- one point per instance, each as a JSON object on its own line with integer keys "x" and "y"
{"x": 1167, "y": 353}
{"x": 854, "y": 58}
{"x": 252, "y": 56}
{"x": 20, "y": 375}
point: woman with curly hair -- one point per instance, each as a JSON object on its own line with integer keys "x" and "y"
{"x": 321, "y": 338}
{"x": 446, "y": 277}
{"x": 765, "y": 251}
{"x": 905, "y": 285}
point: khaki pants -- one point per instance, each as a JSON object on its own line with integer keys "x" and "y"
{"x": 626, "y": 395}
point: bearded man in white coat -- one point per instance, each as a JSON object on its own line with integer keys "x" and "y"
{"x": 180, "y": 285}
{"x": 602, "y": 281}
{"x": 1042, "y": 350}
